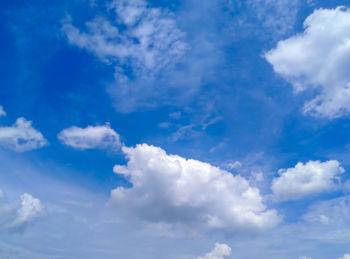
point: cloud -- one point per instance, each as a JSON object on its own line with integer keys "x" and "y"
{"x": 91, "y": 137}
{"x": 328, "y": 221}
{"x": 21, "y": 136}
{"x": 346, "y": 256}
{"x": 219, "y": 252}
{"x": 141, "y": 42}
{"x": 277, "y": 16}
{"x": 317, "y": 60}
{"x": 17, "y": 216}
{"x": 171, "y": 189}
{"x": 304, "y": 257}
{"x": 311, "y": 178}
{"x": 2, "y": 112}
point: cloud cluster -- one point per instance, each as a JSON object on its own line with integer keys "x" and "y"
{"x": 141, "y": 42}
{"x": 103, "y": 137}
{"x": 306, "y": 179}
{"x": 219, "y": 252}
{"x": 318, "y": 60}
{"x": 21, "y": 136}
{"x": 17, "y": 216}
{"x": 171, "y": 189}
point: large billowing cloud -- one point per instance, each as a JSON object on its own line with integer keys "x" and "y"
{"x": 16, "y": 216}
{"x": 318, "y": 60}
{"x": 21, "y": 136}
{"x": 171, "y": 189}
{"x": 90, "y": 137}
{"x": 219, "y": 252}
{"x": 302, "y": 180}
{"x": 140, "y": 42}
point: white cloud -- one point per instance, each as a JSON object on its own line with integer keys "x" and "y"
{"x": 17, "y": 216}
{"x": 304, "y": 257}
{"x": 219, "y": 252}
{"x": 30, "y": 209}
{"x": 306, "y": 179}
{"x": 141, "y": 42}
{"x": 318, "y": 60}
{"x": 346, "y": 256}
{"x": 172, "y": 189}
{"x": 90, "y": 137}
{"x": 21, "y": 136}
{"x": 2, "y": 112}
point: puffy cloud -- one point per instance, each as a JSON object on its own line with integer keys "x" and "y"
{"x": 306, "y": 179}
{"x": 141, "y": 42}
{"x": 219, "y": 252}
{"x": 17, "y": 216}
{"x": 2, "y": 112}
{"x": 346, "y": 256}
{"x": 171, "y": 189}
{"x": 317, "y": 60}
{"x": 21, "y": 136}
{"x": 90, "y": 137}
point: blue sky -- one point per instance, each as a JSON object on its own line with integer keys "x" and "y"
{"x": 174, "y": 129}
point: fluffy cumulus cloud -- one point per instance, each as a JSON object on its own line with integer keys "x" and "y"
{"x": 306, "y": 179}
{"x": 174, "y": 190}
{"x": 346, "y": 256}
{"x": 141, "y": 42}
{"x": 318, "y": 60}
{"x": 103, "y": 137}
{"x": 220, "y": 251}
{"x": 21, "y": 136}
{"x": 17, "y": 216}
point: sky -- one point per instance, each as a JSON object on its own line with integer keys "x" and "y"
{"x": 175, "y": 129}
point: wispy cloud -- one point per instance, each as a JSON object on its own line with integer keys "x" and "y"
{"x": 142, "y": 43}
{"x": 2, "y": 111}
{"x": 21, "y": 136}
{"x": 90, "y": 137}
{"x": 17, "y": 216}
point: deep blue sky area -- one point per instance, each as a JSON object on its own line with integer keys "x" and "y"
{"x": 236, "y": 159}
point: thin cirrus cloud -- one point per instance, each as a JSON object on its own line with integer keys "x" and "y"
{"x": 21, "y": 136}
{"x": 311, "y": 178}
{"x": 91, "y": 137}
{"x": 277, "y": 16}
{"x": 318, "y": 60}
{"x": 141, "y": 42}
{"x": 17, "y": 216}
{"x": 174, "y": 190}
{"x": 220, "y": 251}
